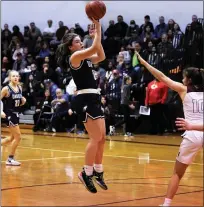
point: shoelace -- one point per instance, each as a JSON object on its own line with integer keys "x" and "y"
{"x": 90, "y": 180}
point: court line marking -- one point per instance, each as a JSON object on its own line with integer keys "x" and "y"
{"x": 116, "y": 156}
{"x": 49, "y": 158}
{"x": 145, "y": 198}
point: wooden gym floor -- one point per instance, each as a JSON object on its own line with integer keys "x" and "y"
{"x": 137, "y": 172}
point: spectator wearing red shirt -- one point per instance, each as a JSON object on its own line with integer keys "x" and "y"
{"x": 156, "y": 95}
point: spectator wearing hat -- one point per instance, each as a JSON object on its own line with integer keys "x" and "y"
{"x": 133, "y": 28}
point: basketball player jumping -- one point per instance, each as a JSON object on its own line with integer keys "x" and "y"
{"x": 191, "y": 93}
{"x": 13, "y": 99}
{"x": 71, "y": 54}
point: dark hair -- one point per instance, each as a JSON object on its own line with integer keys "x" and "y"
{"x": 63, "y": 51}
{"x": 196, "y": 75}
{"x": 147, "y": 17}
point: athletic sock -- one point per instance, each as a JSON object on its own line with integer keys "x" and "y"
{"x": 167, "y": 202}
{"x": 88, "y": 170}
{"x": 10, "y": 157}
{"x": 98, "y": 168}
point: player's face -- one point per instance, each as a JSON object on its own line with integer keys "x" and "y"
{"x": 186, "y": 81}
{"x": 77, "y": 44}
{"x": 14, "y": 77}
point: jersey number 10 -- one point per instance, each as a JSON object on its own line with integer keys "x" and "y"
{"x": 198, "y": 106}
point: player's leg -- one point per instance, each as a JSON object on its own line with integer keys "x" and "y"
{"x": 7, "y": 140}
{"x": 179, "y": 170}
{"x": 98, "y": 166}
{"x": 95, "y": 136}
{"x": 187, "y": 152}
{"x": 15, "y": 131}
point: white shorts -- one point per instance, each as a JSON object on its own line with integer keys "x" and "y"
{"x": 189, "y": 148}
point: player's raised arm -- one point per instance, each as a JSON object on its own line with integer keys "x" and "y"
{"x": 176, "y": 86}
{"x": 80, "y": 55}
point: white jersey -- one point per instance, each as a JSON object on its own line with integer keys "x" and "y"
{"x": 193, "y": 112}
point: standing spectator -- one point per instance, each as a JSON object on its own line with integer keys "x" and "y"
{"x": 126, "y": 106}
{"x": 133, "y": 28}
{"x": 160, "y": 28}
{"x": 34, "y": 31}
{"x": 110, "y": 32}
{"x": 170, "y": 25}
{"x": 79, "y": 30}
{"x": 6, "y": 37}
{"x": 156, "y": 95}
{"x": 120, "y": 28}
{"x": 16, "y": 33}
{"x": 146, "y": 23}
{"x": 177, "y": 37}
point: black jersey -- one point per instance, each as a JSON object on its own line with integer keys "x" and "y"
{"x": 83, "y": 75}
{"x": 13, "y": 101}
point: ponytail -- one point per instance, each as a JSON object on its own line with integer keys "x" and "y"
{"x": 63, "y": 53}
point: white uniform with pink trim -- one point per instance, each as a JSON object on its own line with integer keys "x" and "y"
{"x": 192, "y": 141}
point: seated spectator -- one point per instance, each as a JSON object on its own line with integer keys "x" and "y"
{"x": 44, "y": 52}
{"x": 17, "y": 50}
{"x": 19, "y": 64}
{"x": 120, "y": 63}
{"x": 160, "y": 28}
{"x": 61, "y": 107}
{"x": 30, "y": 60}
{"x": 49, "y": 31}
{"x": 156, "y": 95}
{"x": 126, "y": 54}
{"x": 43, "y": 105}
{"x": 48, "y": 73}
{"x": 88, "y": 39}
{"x": 147, "y": 33}
{"x": 164, "y": 48}
{"x": 146, "y": 23}
{"x": 143, "y": 53}
{"x": 51, "y": 87}
{"x": 34, "y": 90}
{"x": 133, "y": 40}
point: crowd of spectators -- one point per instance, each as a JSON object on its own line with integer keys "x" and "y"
{"x": 49, "y": 89}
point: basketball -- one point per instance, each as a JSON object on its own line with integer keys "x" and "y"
{"x": 95, "y": 9}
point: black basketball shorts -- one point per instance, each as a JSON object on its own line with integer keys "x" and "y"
{"x": 12, "y": 119}
{"x": 88, "y": 105}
